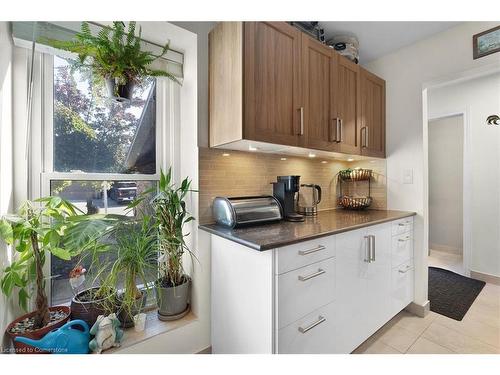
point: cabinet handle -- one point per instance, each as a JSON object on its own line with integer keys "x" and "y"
{"x": 402, "y": 224}
{"x": 372, "y": 248}
{"x": 341, "y": 125}
{"x": 301, "y": 109}
{"x": 312, "y": 275}
{"x": 363, "y": 137}
{"x": 331, "y": 138}
{"x": 316, "y": 323}
{"x": 368, "y": 258}
{"x": 404, "y": 239}
{"x": 406, "y": 270}
{"x": 313, "y": 250}
{"x": 366, "y": 135}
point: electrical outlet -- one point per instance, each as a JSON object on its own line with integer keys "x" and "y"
{"x": 408, "y": 176}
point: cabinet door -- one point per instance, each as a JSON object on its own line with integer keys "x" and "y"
{"x": 347, "y": 102}
{"x": 272, "y": 108}
{"x": 372, "y": 131}
{"x": 318, "y": 80}
{"x": 351, "y": 253}
{"x": 378, "y": 278}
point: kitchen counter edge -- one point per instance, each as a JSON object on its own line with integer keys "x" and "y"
{"x": 226, "y": 233}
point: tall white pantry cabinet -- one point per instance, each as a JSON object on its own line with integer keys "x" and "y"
{"x": 326, "y": 295}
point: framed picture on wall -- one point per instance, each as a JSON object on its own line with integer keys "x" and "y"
{"x": 486, "y": 43}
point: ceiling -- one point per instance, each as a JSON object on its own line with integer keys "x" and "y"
{"x": 377, "y": 39}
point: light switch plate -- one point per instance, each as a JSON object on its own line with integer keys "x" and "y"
{"x": 408, "y": 176}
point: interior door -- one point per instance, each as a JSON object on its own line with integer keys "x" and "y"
{"x": 347, "y": 102}
{"x": 318, "y": 83}
{"x": 372, "y": 131}
{"x": 272, "y": 107}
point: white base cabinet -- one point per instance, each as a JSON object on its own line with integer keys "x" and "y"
{"x": 321, "y": 296}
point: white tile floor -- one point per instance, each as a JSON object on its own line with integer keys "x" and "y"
{"x": 446, "y": 260}
{"x": 478, "y": 332}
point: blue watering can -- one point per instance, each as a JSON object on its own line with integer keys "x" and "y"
{"x": 63, "y": 340}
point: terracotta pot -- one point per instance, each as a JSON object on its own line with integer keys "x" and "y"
{"x": 37, "y": 334}
{"x": 89, "y": 311}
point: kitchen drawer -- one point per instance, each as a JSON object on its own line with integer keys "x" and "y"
{"x": 402, "y": 248}
{"x": 402, "y": 226}
{"x": 304, "y": 290}
{"x": 299, "y": 255}
{"x": 312, "y": 334}
{"x": 402, "y": 286}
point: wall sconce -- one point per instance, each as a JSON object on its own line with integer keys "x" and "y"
{"x": 493, "y": 120}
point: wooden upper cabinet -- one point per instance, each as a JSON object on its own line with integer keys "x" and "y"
{"x": 347, "y": 104}
{"x": 272, "y": 83}
{"x": 268, "y": 82}
{"x": 372, "y": 115}
{"x": 318, "y": 83}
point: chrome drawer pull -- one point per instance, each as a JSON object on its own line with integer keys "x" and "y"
{"x": 315, "y": 274}
{"x": 406, "y": 270}
{"x": 402, "y": 224}
{"x": 404, "y": 239}
{"x": 310, "y": 251}
{"x": 318, "y": 322}
{"x": 368, "y": 247}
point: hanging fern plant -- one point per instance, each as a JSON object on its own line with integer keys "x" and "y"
{"x": 115, "y": 56}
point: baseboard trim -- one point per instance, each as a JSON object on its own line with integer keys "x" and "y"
{"x": 446, "y": 249}
{"x": 207, "y": 350}
{"x": 419, "y": 310}
{"x": 486, "y": 277}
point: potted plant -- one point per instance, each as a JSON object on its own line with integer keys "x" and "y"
{"x": 115, "y": 56}
{"x": 173, "y": 286}
{"x": 34, "y": 233}
{"x": 90, "y": 234}
{"x": 136, "y": 253}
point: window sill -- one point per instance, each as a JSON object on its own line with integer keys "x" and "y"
{"x": 154, "y": 327}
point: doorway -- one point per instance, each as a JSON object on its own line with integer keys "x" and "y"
{"x": 446, "y": 181}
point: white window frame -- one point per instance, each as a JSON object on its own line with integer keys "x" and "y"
{"x": 42, "y": 173}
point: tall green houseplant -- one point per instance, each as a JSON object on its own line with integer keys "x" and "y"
{"x": 171, "y": 215}
{"x": 115, "y": 55}
{"x": 34, "y": 233}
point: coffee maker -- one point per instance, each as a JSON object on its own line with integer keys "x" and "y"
{"x": 284, "y": 190}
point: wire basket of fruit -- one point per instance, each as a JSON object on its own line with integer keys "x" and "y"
{"x": 355, "y": 203}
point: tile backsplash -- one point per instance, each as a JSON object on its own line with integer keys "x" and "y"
{"x": 247, "y": 173}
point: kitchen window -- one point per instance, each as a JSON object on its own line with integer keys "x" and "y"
{"x": 97, "y": 153}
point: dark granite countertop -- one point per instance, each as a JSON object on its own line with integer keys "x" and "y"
{"x": 270, "y": 236}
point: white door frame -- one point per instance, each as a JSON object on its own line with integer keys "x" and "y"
{"x": 441, "y": 82}
{"x": 466, "y": 184}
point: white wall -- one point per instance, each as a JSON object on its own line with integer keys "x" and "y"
{"x": 478, "y": 98}
{"x": 405, "y": 72}
{"x": 446, "y": 183}
{"x": 7, "y": 309}
{"x": 201, "y": 29}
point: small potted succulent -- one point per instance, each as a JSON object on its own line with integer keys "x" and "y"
{"x": 114, "y": 56}
{"x": 37, "y": 231}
